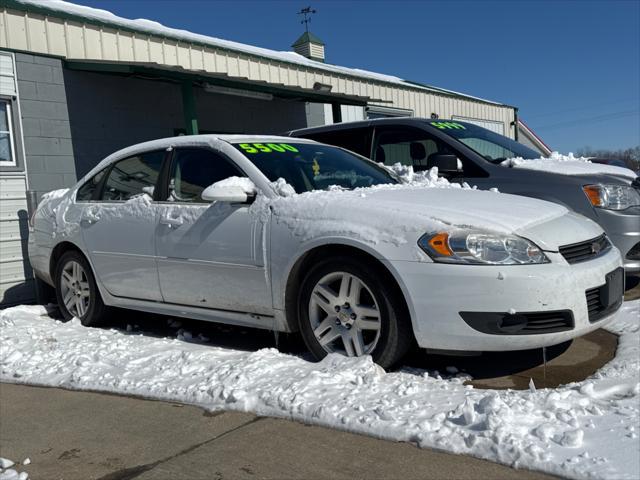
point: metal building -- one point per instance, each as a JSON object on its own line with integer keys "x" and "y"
{"x": 78, "y": 83}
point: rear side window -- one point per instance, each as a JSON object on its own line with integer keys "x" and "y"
{"x": 193, "y": 170}
{"x": 133, "y": 176}
{"x": 87, "y": 191}
{"x": 357, "y": 140}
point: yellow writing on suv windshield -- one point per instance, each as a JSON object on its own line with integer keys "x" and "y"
{"x": 448, "y": 125}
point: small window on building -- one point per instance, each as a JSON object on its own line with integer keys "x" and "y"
{"x": 87, "y": 191}
{"x": 133, "y": 176}
{"x": 7, "y": 150}
{"x": 193, "y": 170}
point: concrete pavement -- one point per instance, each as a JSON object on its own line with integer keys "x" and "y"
{"x": 80, "y": 435}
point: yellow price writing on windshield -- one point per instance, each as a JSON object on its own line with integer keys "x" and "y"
{"x": 267, "y": 147}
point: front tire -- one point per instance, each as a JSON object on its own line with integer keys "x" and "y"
{"x": 76, "y": 291}
{"x": 346, "y": 307}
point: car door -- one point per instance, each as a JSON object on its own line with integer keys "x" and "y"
{"x": 210, "y": 255}
{"x": 118, "y": 226}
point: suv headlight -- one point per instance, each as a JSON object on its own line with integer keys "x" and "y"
{"x": 612, "y": 197}
{"x": 477, "y": 247}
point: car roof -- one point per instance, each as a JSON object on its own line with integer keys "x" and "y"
{"x": 365, "y": 123}
{"x": 200, "y": 140}
{"x": 188, "y": 141}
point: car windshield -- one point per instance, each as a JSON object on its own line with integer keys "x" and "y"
{"x": 310, "y": 166}
{"x": 490, "y": 145}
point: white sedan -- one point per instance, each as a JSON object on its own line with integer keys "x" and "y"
{"x": 289, "y": 234}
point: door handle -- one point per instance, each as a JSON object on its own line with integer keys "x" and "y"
{"x": 171, "y": 222}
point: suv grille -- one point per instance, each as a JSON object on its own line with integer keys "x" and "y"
{"x": 583, "y": 251}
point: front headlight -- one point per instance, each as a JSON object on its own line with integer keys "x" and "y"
{"x": 612, "y": 197}
{"x": 476, "y": 247}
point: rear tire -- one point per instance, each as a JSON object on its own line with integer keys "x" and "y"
{"x": 345, "y": 306}
{"x": 77, "y": 292}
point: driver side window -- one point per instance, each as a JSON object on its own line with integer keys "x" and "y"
{"x": 407, "y": 146}
{"x": 193, "y": 170}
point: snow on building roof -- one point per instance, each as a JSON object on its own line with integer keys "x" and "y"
{"x": 95, "y": 15}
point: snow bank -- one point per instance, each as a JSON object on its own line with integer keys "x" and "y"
{"x": 568, "y": 165}
{"x": 582, "y": 430}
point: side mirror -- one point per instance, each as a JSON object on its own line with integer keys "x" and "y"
{"x": 230, "y": 190}
{"x": 445, "y": 163}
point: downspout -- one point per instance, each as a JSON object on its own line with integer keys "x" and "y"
{"x": 515, "y": 122}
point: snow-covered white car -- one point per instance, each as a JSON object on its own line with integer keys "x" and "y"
{"x": 289, "y": 234}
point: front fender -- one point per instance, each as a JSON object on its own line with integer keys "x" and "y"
{"x": 282, "y": 273}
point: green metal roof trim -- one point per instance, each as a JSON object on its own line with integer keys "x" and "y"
{"x": 307, "y": 37}
{"x": 51, "y": 10}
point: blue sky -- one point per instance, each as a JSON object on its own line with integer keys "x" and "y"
{"x": 572, "y": 67}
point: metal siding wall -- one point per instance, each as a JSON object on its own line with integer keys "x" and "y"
{"x": 27, "y": 31}
{"x": 15, "y": 273}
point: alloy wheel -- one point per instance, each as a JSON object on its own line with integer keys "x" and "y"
{"x": 344, "y": 315}
{"x": 76, "y": 294}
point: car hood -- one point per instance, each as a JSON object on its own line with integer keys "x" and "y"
{"x": 401, "y": 214}
{"x": 569, "y": 166}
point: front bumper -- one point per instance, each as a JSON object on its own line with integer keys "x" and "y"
{"x": 623, "y": 229}
{"x": 437, "y": 293}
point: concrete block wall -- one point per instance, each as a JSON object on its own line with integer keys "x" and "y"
{"x": 45, "y": 123}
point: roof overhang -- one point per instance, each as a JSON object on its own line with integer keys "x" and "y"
{"x": 179, "y": 74}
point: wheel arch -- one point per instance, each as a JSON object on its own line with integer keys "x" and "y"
{"x": 303, "y": 263}
{"x": 58, "y": 251}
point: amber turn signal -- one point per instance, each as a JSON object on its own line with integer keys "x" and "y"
{"x": 594, "y": 194}
{"x": 440, "y": 243}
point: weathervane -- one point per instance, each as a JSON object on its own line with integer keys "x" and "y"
{"x": 306, "y": 12}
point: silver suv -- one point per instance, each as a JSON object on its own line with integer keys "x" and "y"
{"x": 469, "y": 153}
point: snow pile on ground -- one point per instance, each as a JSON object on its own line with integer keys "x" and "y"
{"x": 567, "y": 165}
{"x": 8, "y": 469}
{"x": 582, "y": 430}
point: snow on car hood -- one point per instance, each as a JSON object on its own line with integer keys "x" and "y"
{"x": 568, "y": 165}
{"x": 401, "y": 213}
